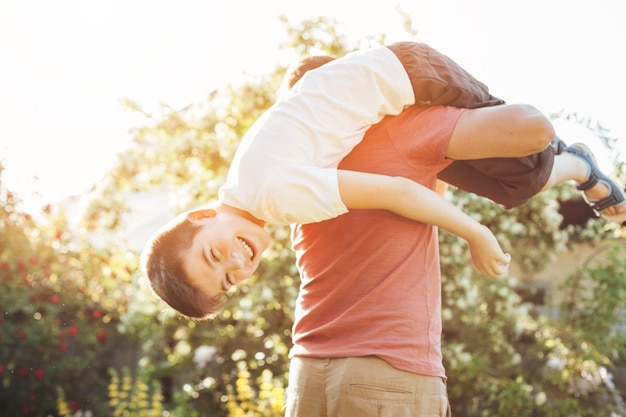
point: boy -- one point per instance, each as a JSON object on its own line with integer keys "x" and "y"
{"x": 218, "y": 247}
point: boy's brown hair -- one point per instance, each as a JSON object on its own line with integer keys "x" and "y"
{"x": 163, "y": 265}
{"x": 295, "y": 72}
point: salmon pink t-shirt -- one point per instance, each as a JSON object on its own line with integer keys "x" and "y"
{"x": 371, "y": 282}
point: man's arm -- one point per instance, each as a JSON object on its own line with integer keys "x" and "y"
{"x": 412, "y": 200}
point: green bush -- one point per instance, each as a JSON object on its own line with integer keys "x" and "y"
{"x": 58, "y": 317}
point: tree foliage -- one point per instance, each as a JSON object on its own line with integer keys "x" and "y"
{"x": 501, "y": 355}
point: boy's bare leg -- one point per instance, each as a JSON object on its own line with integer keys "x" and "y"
{"x": 601, "y": 192}
{"x": 569, "y": 167}
{"x": 506, "y": 131}
{"x": 516, "y": 131}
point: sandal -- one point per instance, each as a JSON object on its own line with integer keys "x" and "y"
{"x": 616, "y": 195}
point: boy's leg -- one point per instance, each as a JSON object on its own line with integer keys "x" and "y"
{"x": 501, "y": 153}
{"x": 438, "y": 80}
{"x": 600, "y": 192}
{"x": 508, "y": 131}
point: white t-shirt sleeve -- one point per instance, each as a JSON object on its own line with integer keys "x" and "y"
{"x": 293, "y": 193}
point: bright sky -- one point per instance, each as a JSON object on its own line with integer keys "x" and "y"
{"x": 65, "y": 65}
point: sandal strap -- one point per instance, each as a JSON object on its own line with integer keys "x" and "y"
{"x": 593, "y": 177}
{"x": 613, "y": 199}
{"x": 590, "y": 183}
{"x": 558, "y": 144}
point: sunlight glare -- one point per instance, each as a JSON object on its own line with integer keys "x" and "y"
{"x": 97, "y": 39}
{"x": 95, "y": 13}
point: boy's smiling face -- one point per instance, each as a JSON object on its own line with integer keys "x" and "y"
{"x": 226, "y": 250}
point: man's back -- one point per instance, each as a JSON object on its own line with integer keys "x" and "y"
{"x": 370, "y": 279}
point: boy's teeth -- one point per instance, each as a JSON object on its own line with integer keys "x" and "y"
{"x": 247, "y": 248}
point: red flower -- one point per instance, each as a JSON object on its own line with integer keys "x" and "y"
{"x": 39, "y": 373}
{"x": 22, "y": 371}
{"x": 101, "y": 335}
{"x": 21, "y": 334}
{"x": 33, "y": 260}
{"x": 54, "y": 299}
{"x": 25, "y": 410}
{"x": 63, "y": 347}
{"x": 72, "y": 331}
{"x": 96, "y": 314}
{"x": 26, "y": 280}
{"x": 1, "y": 368}
{"x": 4, "y": 265}
{"x": 21, "y": 266}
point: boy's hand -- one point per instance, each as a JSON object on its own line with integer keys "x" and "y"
{"x": 487, "y": 255}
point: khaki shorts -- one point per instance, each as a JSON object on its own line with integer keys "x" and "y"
{"x": 362, "y": 387}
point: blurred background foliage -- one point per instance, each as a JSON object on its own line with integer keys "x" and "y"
{"x": 81, "y": 333}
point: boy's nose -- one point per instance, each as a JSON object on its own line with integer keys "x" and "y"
{"x": 235, "y": 260}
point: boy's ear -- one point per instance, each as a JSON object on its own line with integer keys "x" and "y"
{"x": 196, "y": 215}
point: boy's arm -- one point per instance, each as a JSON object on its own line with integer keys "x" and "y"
{"x": 412, "y": 200}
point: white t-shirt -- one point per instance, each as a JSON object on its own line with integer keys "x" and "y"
{"x": 285, "y": 169}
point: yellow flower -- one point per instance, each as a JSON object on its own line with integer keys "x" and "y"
{"x": 142, "y": 404}
{"x": 62, "y": 407}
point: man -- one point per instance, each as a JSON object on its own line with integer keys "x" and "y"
{"x": 367, "y": 330}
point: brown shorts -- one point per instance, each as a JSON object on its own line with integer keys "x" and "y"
{"x": 509, "y": 182}
{"x": 438, "y": 80}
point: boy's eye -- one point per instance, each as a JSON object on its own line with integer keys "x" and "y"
{"x": 214, "y": 256}
{"x": 228, "y": 283}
